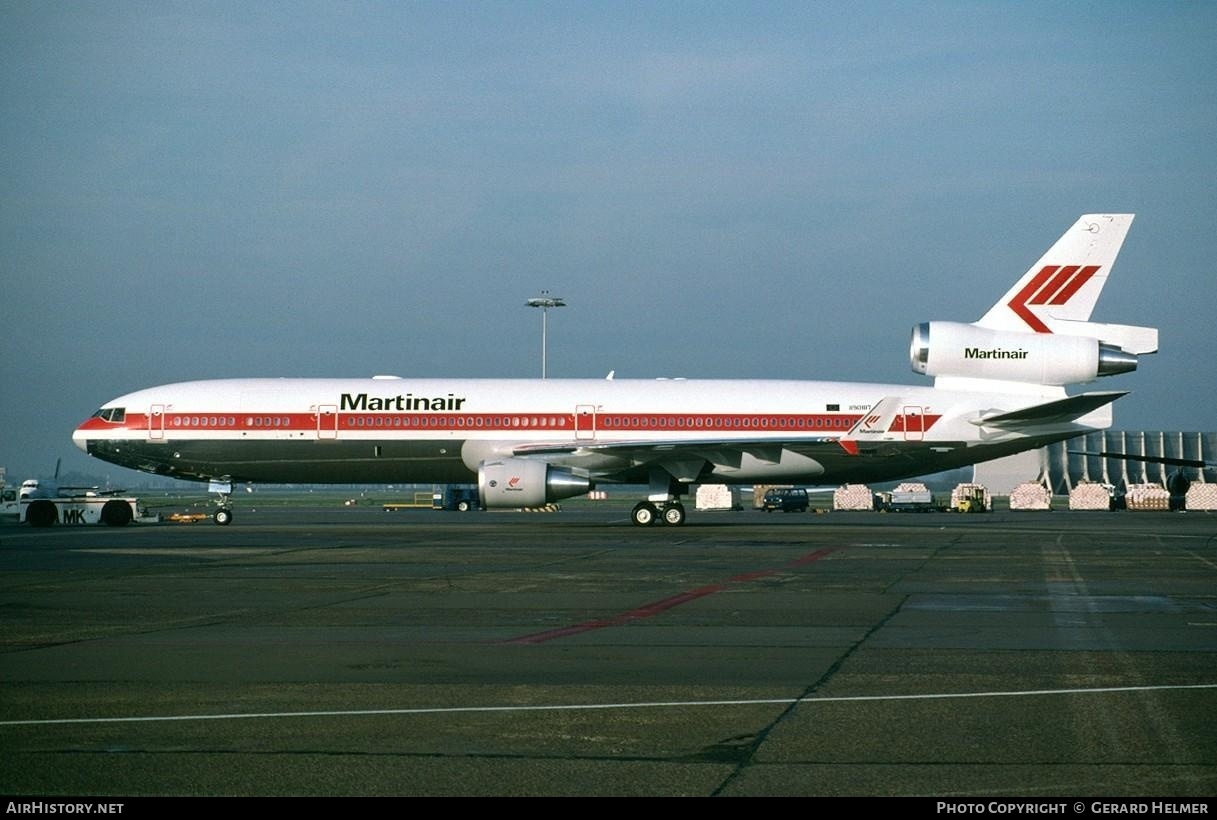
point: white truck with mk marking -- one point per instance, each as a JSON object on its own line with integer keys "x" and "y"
{"x": 43, "y": 504}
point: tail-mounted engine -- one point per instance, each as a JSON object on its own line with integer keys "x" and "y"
{"x": 521, "y": 482}
{"x": 969, "y": 351}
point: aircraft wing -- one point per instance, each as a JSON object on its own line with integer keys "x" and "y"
{"x": 692, "y": 460}
{"x": 842, "y": 457}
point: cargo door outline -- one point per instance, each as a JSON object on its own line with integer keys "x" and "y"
{"x": 327, "y": 422}
{"x": 585, "y": 421}
{"x": 156, "y": 422}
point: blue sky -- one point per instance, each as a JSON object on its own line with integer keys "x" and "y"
{"x": 777, "y": 190}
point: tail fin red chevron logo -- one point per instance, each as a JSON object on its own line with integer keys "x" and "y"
{"x": 1053, "y": 285}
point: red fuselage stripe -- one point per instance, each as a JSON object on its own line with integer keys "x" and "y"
{"x": 175, "y": 423}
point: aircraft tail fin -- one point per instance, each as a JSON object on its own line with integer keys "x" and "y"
{"x": 1065, "y": 283}
{"x": 1040, "y": 334}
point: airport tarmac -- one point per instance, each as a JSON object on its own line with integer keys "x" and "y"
{"x": 350, "y": 651}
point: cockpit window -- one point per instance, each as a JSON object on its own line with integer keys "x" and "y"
{"x": 114, "y": 414}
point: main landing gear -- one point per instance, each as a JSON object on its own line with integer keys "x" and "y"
{"x": 669, "y": 513}
{"x": 662, "y": 505}
{"x": 223, "y": 513}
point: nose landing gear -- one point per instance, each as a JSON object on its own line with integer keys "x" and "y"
{"x": 223, "y": 513}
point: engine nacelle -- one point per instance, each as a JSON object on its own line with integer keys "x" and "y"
{"x": 956, "y": 349}
{"x": 522, "y": 482}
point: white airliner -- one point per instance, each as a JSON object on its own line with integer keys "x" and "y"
{"x": 35, "y": 488}
{"x": 998, "y": 389}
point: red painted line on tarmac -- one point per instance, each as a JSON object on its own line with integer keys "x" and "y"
{"x": 801, "y": 561}
{"x": 566, "y": 631}
{"x": 809, "y": 558}
{"x": 652, "y": 609}
{"x": 664, "y": 604}
{"x": 750, "y": 576}
{"x": 645, "y": 611}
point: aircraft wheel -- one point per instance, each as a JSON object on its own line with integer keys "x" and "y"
{"x": 116, "y": 514}
{"x": 645, "y": 514}
{"x": 223, "y": 516}
{"x": 41, "y": 514}
{"x": 674, "y": 515}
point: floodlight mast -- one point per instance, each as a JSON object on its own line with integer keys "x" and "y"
{"x": 545, "y": 302}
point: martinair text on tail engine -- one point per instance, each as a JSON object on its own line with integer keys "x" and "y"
{"x": 995, "y": 353}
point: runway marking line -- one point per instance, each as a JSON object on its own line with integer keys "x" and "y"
{"x": 664, "y": 604}
{"x": 587, "y": 707}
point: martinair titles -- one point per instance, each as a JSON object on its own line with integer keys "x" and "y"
{"x": 996, "y": 353}
{"x": 399, "y": 402}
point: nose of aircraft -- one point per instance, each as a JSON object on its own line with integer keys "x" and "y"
{"x": 81, "y": 439}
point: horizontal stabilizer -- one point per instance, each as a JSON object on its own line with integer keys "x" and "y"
{"x": 1053, "y": 412}
{"x": 1129, "y": 338}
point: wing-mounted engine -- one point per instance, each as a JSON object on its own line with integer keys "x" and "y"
{"x": 954, "y": 349}
{"x": 523, "y": 482}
